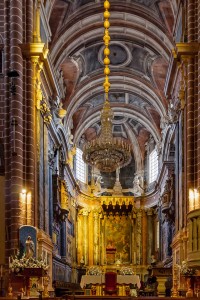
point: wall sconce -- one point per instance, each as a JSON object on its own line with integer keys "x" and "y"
{"x": 13, "y": 74}
{"x": 193, "y": 199}
{"x": 25, "y": 203}
{"x": 23, "y": 191}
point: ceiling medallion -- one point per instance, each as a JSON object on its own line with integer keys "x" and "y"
{"x": 105, "y": 152}
{"x": 120, "y": 55}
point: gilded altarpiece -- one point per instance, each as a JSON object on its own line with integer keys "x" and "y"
{"x": 116, "y": 233}
{"x": 105, "y": 227}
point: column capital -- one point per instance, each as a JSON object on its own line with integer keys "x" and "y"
{"x": 185, "y": 50}
{"x": 150, "y": 212}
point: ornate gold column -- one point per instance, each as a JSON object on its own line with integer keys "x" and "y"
{"x": 144, "y": 238}
{"x": 139, "y": 237}
{"x": 90, "y": 238}
{"x": 134, "y": 239}
{"x": 102, "y": 242}
{"x": 96, "y": 237}
{"x": 85, "y": 236}
{"x": 150, "y": 236}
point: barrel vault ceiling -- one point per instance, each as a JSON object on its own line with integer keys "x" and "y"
{"x": 141, "y": 43}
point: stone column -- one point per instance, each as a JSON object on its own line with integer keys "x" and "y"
{"x": 63, "y": 240}
{"x": 14, "y": 134}
{"x": 50, "y": 167}
{"x": 190, "y": 246}
{"x": 46, "y": 182}
{"x": 194, "y": 234}
{"x": 191, "y": 21}
{"x": 191, "y": 149}
{"x": 198, "y": 230}
{"x": 31, "y": 147}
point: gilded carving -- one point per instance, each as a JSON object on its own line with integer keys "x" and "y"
{"x": 45, "y": 111}
{"x": 71, "y": 154}
{"x": 64, "y": 195}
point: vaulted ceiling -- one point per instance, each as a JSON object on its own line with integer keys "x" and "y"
{"x": 141, "y": 43}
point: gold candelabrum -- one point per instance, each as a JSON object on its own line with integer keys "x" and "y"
{"x": 106, "y": 152}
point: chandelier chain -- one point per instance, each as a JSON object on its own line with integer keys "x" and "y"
{"x": 106, "y": 152}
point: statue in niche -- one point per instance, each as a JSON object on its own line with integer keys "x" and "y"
{"x": 153, "y": 260}
{"x": 82, "y": 262}
{"x": 99, "y": 179}
{"x": 167, "y": 240}
{"x": 61, "y": 83}
{"x": 172, "y": 112}
{"x": 137, "y": 188}
{"x": 98, "y": 183}
{"x": 29, "y": 248}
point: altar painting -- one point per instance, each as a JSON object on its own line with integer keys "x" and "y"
{"x": 118, "y": 235}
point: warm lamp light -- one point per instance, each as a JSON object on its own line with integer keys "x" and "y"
{"x": 193, "y": 199}
{"x": 23, "y": 191}
{"x": 196, "y": 199}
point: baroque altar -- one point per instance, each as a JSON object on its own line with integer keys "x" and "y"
{"x": 116, "y": 232}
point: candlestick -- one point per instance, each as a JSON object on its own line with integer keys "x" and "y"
{"x": 1, "y": 271}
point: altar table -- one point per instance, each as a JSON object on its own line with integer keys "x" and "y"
{"x": 128, "y": 279}
{"x": 99, "y": 280}
{"x": 90, "y": 279}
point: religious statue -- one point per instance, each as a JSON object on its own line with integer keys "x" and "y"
{"x": 29, "y": 247}
{"x": 98, "y": 182}
{"x": 137, "y": 185}
{"x": 153, "y": 260}
{"x": 82, "y": 262}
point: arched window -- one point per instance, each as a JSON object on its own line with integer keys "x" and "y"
{"x": 80, "y": 166}
{"x": 153, "y": 166}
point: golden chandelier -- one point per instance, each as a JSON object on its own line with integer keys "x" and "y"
{"x": 105, "y": 152}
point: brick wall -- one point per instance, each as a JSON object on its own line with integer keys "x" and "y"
{"x": 1, "y": 86}
{"x": 193, "y": 108}
{"x": 198, "y": 90}
{"x": 19, "y": 107}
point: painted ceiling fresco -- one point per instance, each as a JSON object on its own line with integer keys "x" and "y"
{"x": 141, "y": 44}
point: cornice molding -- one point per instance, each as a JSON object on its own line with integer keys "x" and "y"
{"x": 186, "y": 49}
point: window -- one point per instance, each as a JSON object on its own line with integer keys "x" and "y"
{"x": 153, "y": 166}
{"x": 80, "y": 166}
